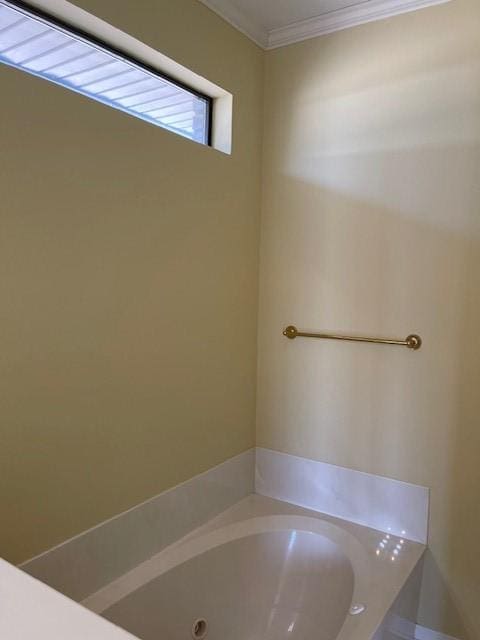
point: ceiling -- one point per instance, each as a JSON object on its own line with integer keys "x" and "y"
{"x": 275, "y": 23}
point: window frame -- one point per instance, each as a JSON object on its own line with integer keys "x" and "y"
{"x": 77, "y": 32}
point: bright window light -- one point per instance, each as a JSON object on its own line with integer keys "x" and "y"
{"x": 41, "y": 46}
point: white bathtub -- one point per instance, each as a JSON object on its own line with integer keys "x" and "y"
{"x": 264, "y": 570}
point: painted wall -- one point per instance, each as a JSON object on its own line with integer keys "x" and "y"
{"x": 371, "y": 224}
{"x": 128, "y": 261}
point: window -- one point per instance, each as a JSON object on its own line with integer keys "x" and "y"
{"x": 42, "y": 46}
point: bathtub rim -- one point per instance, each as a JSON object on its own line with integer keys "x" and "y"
{"x": 184, "y": 550}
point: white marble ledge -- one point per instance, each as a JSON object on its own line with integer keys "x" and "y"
{"x": 90, "y": 560}
{"x": 30, "y": 609}
{"x": 381, "y": 503}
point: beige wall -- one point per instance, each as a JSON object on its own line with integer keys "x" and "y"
{"x": 371, "y": 223}
{"x": 129, "y": 279}
{"x": 128, "y": 289}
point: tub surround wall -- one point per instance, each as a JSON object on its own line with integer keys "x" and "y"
{"x": 89, "y": 561}
{"x": 370, "y": 500}
{"x": 371, "y": 225}
{"x": 84, "y": 564}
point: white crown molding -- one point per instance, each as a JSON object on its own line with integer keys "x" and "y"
{"x": 353, "y": 16}
{"x": 360, "y": 13}
{"x": 238, "y": 19}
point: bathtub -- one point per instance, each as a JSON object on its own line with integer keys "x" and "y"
{"x": 263, "y": 570}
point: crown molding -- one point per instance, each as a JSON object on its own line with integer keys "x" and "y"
{"x": 353, "y": 16}
{"x": 366, "y": 11}
{"x": 238, "y": 19}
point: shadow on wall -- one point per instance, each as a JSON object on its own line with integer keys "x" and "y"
{"x": 337, "y": 263}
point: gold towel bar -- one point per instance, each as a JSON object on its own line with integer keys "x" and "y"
{"x": 412, "y": 341}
